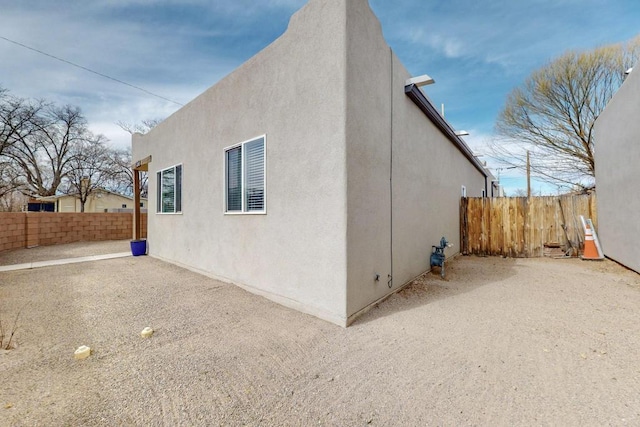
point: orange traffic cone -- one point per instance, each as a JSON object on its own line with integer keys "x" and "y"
{"x": 590, "y": 249}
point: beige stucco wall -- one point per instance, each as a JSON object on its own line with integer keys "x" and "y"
{"x": 404, "y": 175}
{"x": 97, "y": 202}
{"x": 294, "y": 92}
{"x": 357, "y": 176}
{"x": 617, "y": 155}
{"x": 368, "y": 158}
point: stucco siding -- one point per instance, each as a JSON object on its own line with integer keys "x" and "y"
{"x": 359, "y": 181}
{"x": 294, "y": 93}
{"x": 404, "y": 175}
{"x": 617, "y": 155}
{"x": 428, "y": 175}
{"x": 368, "y": 157}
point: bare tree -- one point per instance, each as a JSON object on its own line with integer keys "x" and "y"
{"x": 553, "y": 113}
{"x": 4, "y": 129}
{"x": 90, "y": 168}
{"x": 522, "y": 192}
{"x": 43, "y": 152}
{"x": 12, "y": 201}
{"x": 122, "y": 177}
{"x": 142, "y": 127}
{"x": 17, "y": 119}
{"x": 9, "y": 184}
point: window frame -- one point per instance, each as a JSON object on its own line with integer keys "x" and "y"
{"x": 243, "y": 173}
{"x": 159, "y": 201}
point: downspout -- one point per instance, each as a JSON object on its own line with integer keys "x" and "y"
{"x": 390, "y": 282}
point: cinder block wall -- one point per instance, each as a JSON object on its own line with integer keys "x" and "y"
{"x": 23, "y": 230}
{"x": 13, "y": 231}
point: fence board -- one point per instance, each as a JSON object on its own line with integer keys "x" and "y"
{"x": 522, "y": 227}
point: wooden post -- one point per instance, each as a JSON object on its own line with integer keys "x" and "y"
{"x": 464, "y": 226}
{"x": 136, "y": 204}
{"x": 138, "y": 167}
{"x": 528, "y": 175}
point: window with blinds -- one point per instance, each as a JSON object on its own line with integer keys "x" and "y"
{"x": 245, "y": 177}
{"x": 169, "y": 190}
{"x": 234, "y": 179}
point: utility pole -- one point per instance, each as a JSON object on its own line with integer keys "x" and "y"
{"x": 500, "y": 170}
{"x": 528, "y": 176}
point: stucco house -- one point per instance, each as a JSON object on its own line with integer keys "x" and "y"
{"x": 100, "y": 200}
{"x": 317, "y": 174}
{"x": 617, "y": 132}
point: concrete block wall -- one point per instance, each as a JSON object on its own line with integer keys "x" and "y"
{"x": 13, "y": 231}
{"x": 24, "y": 230}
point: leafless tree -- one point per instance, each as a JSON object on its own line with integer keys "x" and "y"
{"x": 142, "y": 127}
{"x": 17, "y": 119}
{"x": 123, "y": 160}
{"x": 552, "y": 114}
{"x": 44, "y": 151}
{"x": 9, "y": 185}
{"x": 89, "y": 169}
{"x": 520, "y": 192}
{"x": 122, "y": 177}
{"x": 4, "y": 130}
{"x": 12, "y": 201}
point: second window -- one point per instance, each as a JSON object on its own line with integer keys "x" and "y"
{"x": 245, "y": 177}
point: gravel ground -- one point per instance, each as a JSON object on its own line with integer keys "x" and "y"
{"x": 500, "y": 342}
{"x": 71, "y": 250}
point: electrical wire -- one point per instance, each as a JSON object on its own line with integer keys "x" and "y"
{"x": 90, "y": 70}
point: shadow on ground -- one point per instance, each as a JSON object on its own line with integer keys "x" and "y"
{"x": 463, "y": 274}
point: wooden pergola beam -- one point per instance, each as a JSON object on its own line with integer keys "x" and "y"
{"x": 142, "y": 165}
{"x": 138, "y": 167}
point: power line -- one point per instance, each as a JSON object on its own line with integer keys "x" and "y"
{"x": 90, "y": 70}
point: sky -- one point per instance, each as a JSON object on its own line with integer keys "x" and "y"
{"x": 476, "y": 50}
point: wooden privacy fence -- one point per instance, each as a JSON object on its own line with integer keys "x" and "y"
{"x": 524, "y": 227}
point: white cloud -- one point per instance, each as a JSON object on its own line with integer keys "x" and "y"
{"x": 477, "y": 51}
{"x": 161, "y": 60}
{"x": 450, "y": 46}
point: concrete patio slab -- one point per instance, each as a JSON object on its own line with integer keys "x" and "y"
{"x": 39, "y": 264}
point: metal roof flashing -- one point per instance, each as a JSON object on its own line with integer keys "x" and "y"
{"x": 419, "y": 98}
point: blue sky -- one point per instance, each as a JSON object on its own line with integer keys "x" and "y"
{"x": 476, "y": 50}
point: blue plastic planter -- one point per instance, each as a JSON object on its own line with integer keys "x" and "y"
{"x": 138, "y": 247}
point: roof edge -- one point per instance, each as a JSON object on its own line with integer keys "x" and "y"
{"x": 416, "y": 95}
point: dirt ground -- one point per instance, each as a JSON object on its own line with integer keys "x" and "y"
{"x": 500, "y": 342}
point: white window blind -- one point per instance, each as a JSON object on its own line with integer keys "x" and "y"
{"x": 159, "y": 192}
{"x": 234, "y": 179}
{"x": 245, "y": 177}
{"x": 168, "y": 190}
{"x": 178, "y": 189}
{"x": 254, "y": 175}
{"x": 169, "y": 193}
